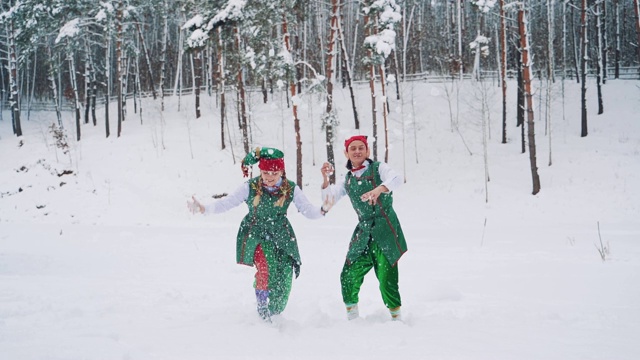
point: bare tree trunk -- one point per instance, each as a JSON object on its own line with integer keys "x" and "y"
{"x": 600, "y": 66}
{"x": 564, "y": 48}
{"x": 87, "y": 83}
{"x": 605, "y": 42}
{"x": 583, "y": 66}
{"x": 32, "y": 90}
{"x": 14, "y": 97}
{"x": 459, "y": 5}
{"x": 550, "y": 36}
{"x": 242, "y": 98}
{"x": 294, "y": 108}
{"x": 526, "y": 74}
{"x": 329, "y": 117}
{"x": 177, "y": 85}
{"x": 163, "y": 53}
{"x": 503, "y": 70}
{"x": 347, "y": 71}
{"x": 385, "y": 111}
{"x": 107, "y": 92}
{"x": 54, "y": 87}
{"x": 91, "y": 73}
{"x": 74, "y": 86}
{"x": 147, "y": 60}
{"x": 372, "y": 88}
{"x": 521, "y": 105}
{"x": 576, "y": 48}
{"x": 137, "y": 89}
{"x": 197, "y": 78}
{"x": 616, "y": 22}
{"x": 119, "y": 70}
{"x": 221, "y": 89}
{"x": 636, "y": 9}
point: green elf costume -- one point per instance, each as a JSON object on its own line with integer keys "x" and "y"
{"x": 378, "y": 241}
{"x": 266, "y": 239}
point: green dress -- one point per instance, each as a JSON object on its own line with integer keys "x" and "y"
{"x": 267, "y": 223}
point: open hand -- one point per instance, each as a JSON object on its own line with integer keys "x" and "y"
{"x": 195, "y": 206}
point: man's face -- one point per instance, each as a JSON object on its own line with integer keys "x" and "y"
{"x": 357, "y": 152}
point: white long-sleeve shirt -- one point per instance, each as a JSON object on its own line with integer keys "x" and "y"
{"x": 389, "y": 178}
{"x": 240, "y": 195}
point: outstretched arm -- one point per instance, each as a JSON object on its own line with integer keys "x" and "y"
{"x": 234, "y": 199}
{"x": 305, "y": 207}
{"x": 195, "y": 206}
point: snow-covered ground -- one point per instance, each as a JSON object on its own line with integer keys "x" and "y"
{"x": 107, "y": 263}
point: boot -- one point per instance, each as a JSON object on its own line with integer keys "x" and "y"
{"x": 262, "y": 298}
{"x": 352, "y": 311}
{"x": 395, "y": 314}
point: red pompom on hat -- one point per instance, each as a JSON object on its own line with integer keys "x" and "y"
{"x": 362, "y": 138}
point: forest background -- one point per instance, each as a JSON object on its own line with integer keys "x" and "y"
{"x": 100, "y": 259}
{"x": 79, "y": 55}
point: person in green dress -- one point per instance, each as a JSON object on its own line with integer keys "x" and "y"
{"x": 378, "y": 241}
{"x": 266, "y": 239}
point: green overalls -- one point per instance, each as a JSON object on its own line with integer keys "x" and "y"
{"x": 377, "y": 241}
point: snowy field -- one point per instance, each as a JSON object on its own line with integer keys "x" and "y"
{"x": 105, "y": 262}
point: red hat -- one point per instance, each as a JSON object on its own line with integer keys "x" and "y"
{"x": 268, "y": 159}
{"x": 271, "y": 164}
{"x": 362, "y": 138}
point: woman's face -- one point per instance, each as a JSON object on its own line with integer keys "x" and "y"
{"x": 270, "y": 178}
{"x": 357, "y": 152}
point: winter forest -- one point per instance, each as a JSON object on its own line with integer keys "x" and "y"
{"x": 514, "y": 125}
{"x": 79, "y": 55}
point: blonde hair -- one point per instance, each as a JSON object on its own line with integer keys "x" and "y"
{"x": 285, "y": 190}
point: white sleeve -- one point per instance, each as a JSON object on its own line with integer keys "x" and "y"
{"x": 230, "y": 201}
{"x": 389, "y": 177}
{"x": 334, "y": 192}
{"x": 305, "y": 207}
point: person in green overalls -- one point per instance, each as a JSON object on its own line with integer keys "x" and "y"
{"x": 266, "y": 239}
{"x": 378, "y": 241}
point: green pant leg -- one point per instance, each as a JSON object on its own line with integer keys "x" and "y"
{"x": 352, "y": 277}
{"x": 280, "y": 277}
{"x": 387, "y": 277}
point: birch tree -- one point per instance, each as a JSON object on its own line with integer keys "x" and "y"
{"x": 8, "y": 20}
{"x": 503, "y": 70}
{"x": 347, "y": 68}
{"x": 600, "y": 69}
{"x": 479, "y": 44}
{"x": 636, "y": 10}
{"x": 329, "y": 117}
{"x": 584, "y": 41}
{"x": 120, "y": 81}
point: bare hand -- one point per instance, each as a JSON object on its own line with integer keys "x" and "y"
{"x": 327, "y": 169}
{"x": 195, "y": 206}
{"x": 372, "y": 196}
{"x": 328, "y": 202}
